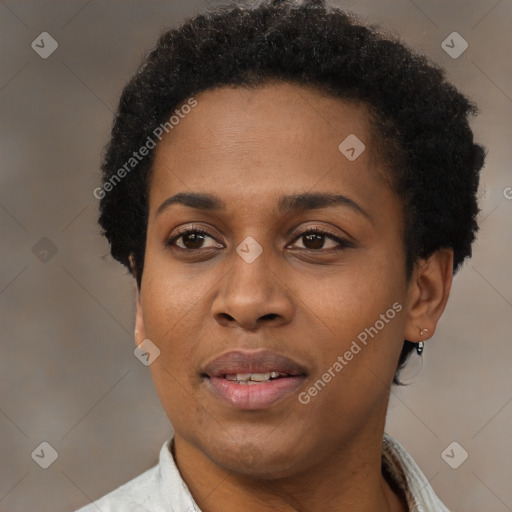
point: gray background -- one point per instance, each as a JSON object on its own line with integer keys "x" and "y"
{"x": 68, "y": 375}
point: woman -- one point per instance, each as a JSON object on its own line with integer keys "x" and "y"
{"x": 292, "y": 192}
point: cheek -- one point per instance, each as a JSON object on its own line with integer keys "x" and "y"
{"x": 360, "y": 317}
{"x": 171, "y": 298}
{"x": 172, "y": 320}
{"x": 354, "y": 297}
{"x": 177, "y": 395}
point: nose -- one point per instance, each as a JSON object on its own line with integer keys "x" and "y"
{"x": 252, "y": 295}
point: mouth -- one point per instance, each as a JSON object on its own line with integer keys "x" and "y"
{"x": 252, "y": 380}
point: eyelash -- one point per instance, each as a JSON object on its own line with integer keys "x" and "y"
{"x": 343, "y": 244}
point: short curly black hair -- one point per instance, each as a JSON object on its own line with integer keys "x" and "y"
{"x": 420, "y": 119}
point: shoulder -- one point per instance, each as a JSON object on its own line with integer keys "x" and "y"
{"x": 129, "y": 497}
{"x": 159, "y": 489}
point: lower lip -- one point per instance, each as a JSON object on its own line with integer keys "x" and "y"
{"x": 256, "y": 396}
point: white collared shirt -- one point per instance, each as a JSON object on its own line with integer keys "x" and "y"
{"x": 161, "y": 488}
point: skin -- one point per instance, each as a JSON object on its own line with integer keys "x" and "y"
{"x": 299, "y": 298}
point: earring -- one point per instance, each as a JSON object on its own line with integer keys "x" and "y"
{"x": 420, "y": 345}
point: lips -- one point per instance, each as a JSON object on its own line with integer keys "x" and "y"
{"x": 253, "y": 379}
{"x": 262, "y": 361}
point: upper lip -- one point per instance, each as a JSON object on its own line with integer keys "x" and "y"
{"x": 244, "y": 361}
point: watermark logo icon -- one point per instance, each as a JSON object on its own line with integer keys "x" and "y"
{"x": 146, "y": 352}
{"x": 44, "y": 45}
{"x": 249, "y": 249}
{"x": 45, "y": 455}
{"x": 44, "y": 250}
{"x": 454, "y": 45}
{"x": 352, "y": 147}
{"x": 454, "y": 455}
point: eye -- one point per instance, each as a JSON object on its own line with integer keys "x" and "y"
{"x": 192, "y": 239}
{"x": 315, "y": 239}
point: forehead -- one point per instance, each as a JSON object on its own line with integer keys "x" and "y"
{"x": 261, "y": 141}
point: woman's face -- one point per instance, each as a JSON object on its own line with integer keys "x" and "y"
{"x": 257, "y": 281}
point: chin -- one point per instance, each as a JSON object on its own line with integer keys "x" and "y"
{"x": 263, "y": 458}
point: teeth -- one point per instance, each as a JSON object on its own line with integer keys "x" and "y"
{"x": 259, "y": 377}
{"x": 251, "y": 378}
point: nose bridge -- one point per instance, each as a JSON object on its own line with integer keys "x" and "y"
{"x": 251, "y": 289}
{"x": 250, "y": 274}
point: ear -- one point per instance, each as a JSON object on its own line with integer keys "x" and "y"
{"x": 428, "y": 293}
{"x": 140, "y": 330}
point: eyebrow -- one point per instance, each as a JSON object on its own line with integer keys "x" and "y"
{"x": 293, "y": 203}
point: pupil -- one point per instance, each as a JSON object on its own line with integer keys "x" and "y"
{"x": 317, "y": 240}
{"x": 196, "y": 238}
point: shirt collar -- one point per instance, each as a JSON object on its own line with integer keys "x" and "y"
{"x": 409, "y": 478}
